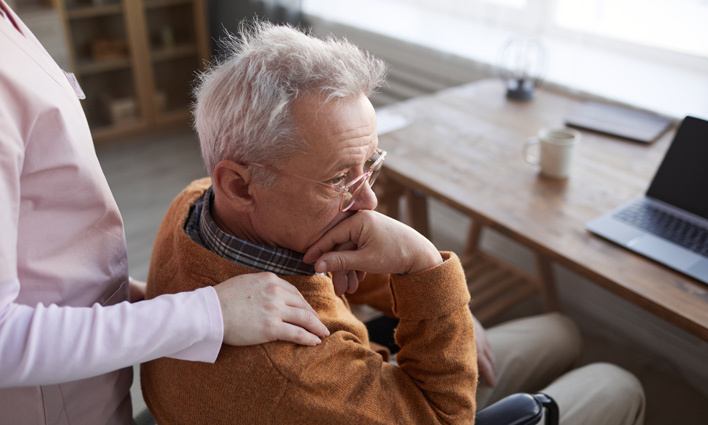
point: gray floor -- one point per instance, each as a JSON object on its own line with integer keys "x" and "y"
{"x": 146, "y": 173}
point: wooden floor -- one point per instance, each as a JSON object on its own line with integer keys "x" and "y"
{"x": 146, "y": 173}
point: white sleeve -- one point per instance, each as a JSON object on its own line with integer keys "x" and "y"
{"x": 49, "y": 344}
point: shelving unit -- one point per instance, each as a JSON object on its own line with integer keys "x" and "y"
{"x": 178, "y": 45}
{"x": 135, "y": 60}
{"x": 90, "y": 10}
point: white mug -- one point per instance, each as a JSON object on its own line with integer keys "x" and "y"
{"x": 554, "y": 151}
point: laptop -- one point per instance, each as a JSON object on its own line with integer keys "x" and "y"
{"x": 669, "y": 224}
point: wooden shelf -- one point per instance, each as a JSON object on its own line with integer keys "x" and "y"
{"x": 86, "y": 12}
{"x": 174, "y": 116}
{"x": 112, "y": 131}
{"x": 179, "y": 51}
{"x": 154, "y": 4}
{"x": 155, "y": 78}
{"x": 89, "y": 67}
{"x": 22, "y": 9}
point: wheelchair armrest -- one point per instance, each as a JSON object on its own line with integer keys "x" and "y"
{"x": 519, "y": 409}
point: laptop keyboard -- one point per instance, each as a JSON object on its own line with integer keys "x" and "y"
{"x": 668, "y": 226}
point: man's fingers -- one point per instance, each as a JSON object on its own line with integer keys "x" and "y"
{"x": 360, "y": 275}
{"x": 374, "y": 243}
{"x": 340, "y": 280}
{"x": 353, "y": 281}
{"x": 340, "y": 260}
{"x": 338, "y": 235}
{"x": 305, "y": 320}
{"x": 346, "y": 281}
{"x": 325, "y": 244}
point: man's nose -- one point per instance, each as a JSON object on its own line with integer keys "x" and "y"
{"x": 366, "y": 200}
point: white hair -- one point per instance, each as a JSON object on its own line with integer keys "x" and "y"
{"x": 243, "y": 103}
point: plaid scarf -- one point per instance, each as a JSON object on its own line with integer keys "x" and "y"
{"x": 202, "y": 229}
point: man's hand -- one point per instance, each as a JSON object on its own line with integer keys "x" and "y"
{"x": 346, "y": 280}
{"x": 485, "y": 357}
{"x": 374, "y": 243}
{"x": 262, "y": 307}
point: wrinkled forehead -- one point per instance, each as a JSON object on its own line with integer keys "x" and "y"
{"x": 316, "y": 116}
{"x": 336, "y": 130}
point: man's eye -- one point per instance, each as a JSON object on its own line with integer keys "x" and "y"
{"x": 338, "y": 181}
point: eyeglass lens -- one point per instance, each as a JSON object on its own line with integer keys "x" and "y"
{"x": 373, "y": 165}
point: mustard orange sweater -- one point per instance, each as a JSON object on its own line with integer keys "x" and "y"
{"x": 341, "y": 381}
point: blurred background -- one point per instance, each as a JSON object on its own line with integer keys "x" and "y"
{"x": 136, "y": 61}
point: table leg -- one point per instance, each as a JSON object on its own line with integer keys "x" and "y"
{"x": 388, "y": 192}
{"x": 475, "y": 234}
{"x": 495, "y": 285}
{"x": 417, "y": 212}
{"x": 547, "y": 282}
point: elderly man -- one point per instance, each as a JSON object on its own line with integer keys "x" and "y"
{"x": 289, "y": 139}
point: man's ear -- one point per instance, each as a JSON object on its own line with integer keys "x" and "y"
{"x": 232, "y": 184}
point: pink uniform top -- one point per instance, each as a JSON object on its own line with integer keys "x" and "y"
{"x": 67, "y": 334}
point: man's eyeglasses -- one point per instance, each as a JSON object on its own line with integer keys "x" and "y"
{"x": 351, "y": 190}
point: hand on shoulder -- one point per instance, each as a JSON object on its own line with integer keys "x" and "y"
{"x": 261, "y": 307}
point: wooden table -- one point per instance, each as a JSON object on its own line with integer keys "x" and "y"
{"x": 462, "y": 146}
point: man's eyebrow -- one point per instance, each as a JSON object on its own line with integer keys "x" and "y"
{"x": 346, "y": 166}
{"x": 352, "y": 164}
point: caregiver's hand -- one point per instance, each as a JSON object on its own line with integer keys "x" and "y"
{"x": 262, "y": 307}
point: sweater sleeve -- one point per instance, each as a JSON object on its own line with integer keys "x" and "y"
{"x": 436, "y": 379}
{"x": 375, "y": 292}
{"x": 342, "y": 380}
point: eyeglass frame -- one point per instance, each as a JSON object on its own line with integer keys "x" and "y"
{"x": 343, "y": 190}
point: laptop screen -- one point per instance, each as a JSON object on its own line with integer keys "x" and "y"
{"x": 682, "y": 178}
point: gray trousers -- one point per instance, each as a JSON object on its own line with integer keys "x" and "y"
{"x": 539, "y": 354}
